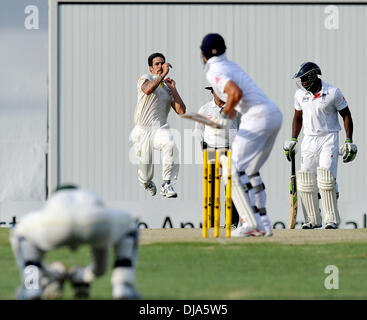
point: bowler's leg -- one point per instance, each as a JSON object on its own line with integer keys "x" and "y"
{"x": 163, "y": 140}
{"x": 143, "y": 150}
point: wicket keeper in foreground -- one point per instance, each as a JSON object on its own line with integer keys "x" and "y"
{"x": 317, "y": 105}
{"x": 74, "y": 217}
{"x": 261, "y": 120}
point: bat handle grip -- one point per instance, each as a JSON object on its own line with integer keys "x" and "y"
{"x": 293, "y": 162}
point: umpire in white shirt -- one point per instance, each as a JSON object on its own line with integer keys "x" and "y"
{"x": 317, "y": 105}
{"x": 216, "y": 139}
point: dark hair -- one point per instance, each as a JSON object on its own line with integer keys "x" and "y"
{"x": 155, "y": 55}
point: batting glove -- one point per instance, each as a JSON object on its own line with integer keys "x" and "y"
{"x": 348, "y": 151}
{"x": 289, "y": 147}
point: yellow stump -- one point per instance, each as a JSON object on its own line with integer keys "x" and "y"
{"x": 205, "y": 193}
{"x": 210, "y": 193}
{"x": 217, "y": 195}
{"x": 228, "y": 195}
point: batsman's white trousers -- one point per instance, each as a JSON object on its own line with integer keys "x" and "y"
{"x": 320, "y": 151}
{"x": 145, "y": 140}
{"x": 255, "y": 139}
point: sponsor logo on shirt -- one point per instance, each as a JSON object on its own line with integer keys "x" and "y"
{"x": 305, "y": 99}
{"x": 318, "y": 95}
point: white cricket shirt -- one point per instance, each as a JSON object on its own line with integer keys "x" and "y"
{"x": 215, "y": 138}
{"x": 219, "y": 70}
{"x": 152, "y": 108}
{"x": 320, "y": 112}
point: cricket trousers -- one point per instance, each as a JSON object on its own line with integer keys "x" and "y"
{"x": 252, "y": 146}
{"x": 145, "y": 141}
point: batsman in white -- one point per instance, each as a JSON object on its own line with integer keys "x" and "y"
{"x": 156, "y": 96}
{"x": 261, "y": 120}
{"x": 74, "y": 217}
{"x": 317, "y": 105}
{"x": 213, "y": 138}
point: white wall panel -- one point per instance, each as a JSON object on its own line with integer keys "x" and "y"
{"x": 103, "y": 49}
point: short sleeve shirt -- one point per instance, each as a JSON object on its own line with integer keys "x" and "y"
{"x": 152, "y": 108}
{"x": 320, "y": 112}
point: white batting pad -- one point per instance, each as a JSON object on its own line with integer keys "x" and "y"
{"x": 326, "y": 183}
{"x": 241, "y": 200}
{"x": 307, "y": 189}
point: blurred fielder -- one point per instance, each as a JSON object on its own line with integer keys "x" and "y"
{"x": 261, "y": 120}
{"x": 317, "y": 105}
{"x": 73, "y": 217}
{"x": 213, "y": 138}
{"x": 156, "y": 96}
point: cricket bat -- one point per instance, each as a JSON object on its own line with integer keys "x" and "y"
{"x": 200, "y": 118}
{"x": 293, "y": 194}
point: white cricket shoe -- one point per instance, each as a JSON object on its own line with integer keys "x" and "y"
{"x": 125, "y": 292}
{"x": 246, "y": 232}
{"x": 331, "y": 225}
{"x": 309, "y": 225}
{"x": 268, "y": 228}
{"x": 123, "y": 284}
{"x": 151, "y": 188}
{"x": 167, "y": 191}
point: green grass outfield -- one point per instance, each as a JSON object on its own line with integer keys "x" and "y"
{"x": 179, "y": 264}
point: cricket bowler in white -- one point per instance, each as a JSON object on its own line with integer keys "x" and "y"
{"x": 74, "y": 217}
{"x": 317, "y": 105}
{"x": 261, "y": 120}
{"x": 156, "y": 96}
